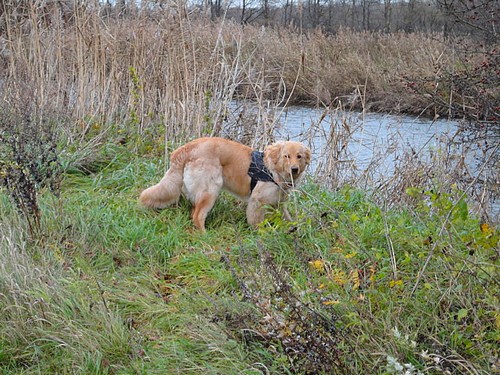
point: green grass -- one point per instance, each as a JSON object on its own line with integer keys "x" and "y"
{"x": 110, "y": 288}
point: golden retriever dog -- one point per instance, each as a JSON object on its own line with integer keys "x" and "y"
{"x": 202, "y": 168}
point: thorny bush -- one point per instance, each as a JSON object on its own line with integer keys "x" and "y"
{"x": 307, "y": 335}
{"x": 28, "y": 160}
{"x": 468, "y": 90}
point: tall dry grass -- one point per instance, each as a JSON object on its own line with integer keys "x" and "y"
{"x": 166, "y": 68}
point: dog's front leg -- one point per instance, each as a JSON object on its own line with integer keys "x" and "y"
{"x": 255, "y": 211}
{"x": 264, "y": 193}
{"x": 286, "y": 214}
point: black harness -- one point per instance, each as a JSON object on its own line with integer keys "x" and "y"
{"x": 258, "y": 171}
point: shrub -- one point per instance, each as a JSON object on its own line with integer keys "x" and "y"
{"x": 28, "y": 160}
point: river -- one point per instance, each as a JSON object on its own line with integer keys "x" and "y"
{"x": 369, "y": 136}
{"x": 375, "y": 150}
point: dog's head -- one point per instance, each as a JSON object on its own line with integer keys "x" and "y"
{"x": 287, "y": 161}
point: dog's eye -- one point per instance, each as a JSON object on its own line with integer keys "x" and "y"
{"x": 299, "y": 156}
{"x": 287, "y": 156}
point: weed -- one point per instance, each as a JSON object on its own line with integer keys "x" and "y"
{"x": 403, "y": 280}
{"x": 28, "y": 160}
{"x": 309, "y": 337}
{"x": 152, "y": 67}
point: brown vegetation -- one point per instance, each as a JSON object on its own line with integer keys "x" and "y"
{"x": 165, "y": 66}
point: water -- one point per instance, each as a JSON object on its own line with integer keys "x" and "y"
{"x": 371, "y": 134}
{"x": 369, "y": 149}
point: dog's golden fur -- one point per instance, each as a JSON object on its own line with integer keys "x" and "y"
{"x": 201, "y": 168}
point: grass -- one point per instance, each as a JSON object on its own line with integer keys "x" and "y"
{"x": 359, "y": 283}
{"x": 350, "y": 287}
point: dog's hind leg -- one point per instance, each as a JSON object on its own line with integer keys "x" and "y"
{"x": 203, "y": 184}
{"x": 204, "y": 203}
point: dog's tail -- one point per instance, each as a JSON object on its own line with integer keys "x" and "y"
{"x": 169, "y": 189}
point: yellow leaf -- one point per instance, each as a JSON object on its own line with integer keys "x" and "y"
{"x": 394, "y": 283}
{"x": 355, "y": 279}
{"x": 486, "y": 229}
{"x": 351, "y": 255}
{"x": 339, "y": 277}
{"x": 328, "y": 303}
{"x": 318, "y": 265}
{"x": 372, "y": 273}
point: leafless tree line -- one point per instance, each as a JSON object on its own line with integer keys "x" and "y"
{"x": 478, "y": 18}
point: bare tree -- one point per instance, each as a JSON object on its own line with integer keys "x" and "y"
{"x": 481, "y": 16}
{"x": 215, "y": 9}
{"x": 288, "y": 11}
{"x": 265, "y": 11}
{"x": 387, "y": 15}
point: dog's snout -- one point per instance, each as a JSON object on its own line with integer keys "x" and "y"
{"x": 295, "y": 170}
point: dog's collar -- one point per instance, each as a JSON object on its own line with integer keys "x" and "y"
{"x": 258, "y": 171}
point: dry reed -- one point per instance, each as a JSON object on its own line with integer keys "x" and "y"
{"x": 166, "y": 68}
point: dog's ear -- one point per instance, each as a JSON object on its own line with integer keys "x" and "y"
{"x": 307, "y": 153}
{"x": 272, "y": 154}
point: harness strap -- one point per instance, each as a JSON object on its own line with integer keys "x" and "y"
{"x": 258, "y": 171}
